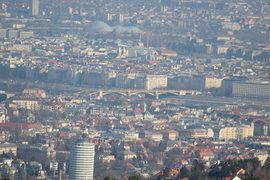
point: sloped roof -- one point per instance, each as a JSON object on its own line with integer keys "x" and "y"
{"x": 99, "y": 26}
{"x": 131, "y": 29}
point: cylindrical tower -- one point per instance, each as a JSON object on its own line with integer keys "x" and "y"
{"x": 82, "y": 160}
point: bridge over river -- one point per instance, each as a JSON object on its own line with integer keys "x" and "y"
{"x": 130, "y": 92}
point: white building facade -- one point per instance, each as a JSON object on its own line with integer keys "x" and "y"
{"x": 82, "y": 160}
{"x": 251, "y": 89}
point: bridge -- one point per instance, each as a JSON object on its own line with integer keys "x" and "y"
{"x": 130, "y": 92}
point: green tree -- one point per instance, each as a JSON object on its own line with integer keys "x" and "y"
{"x": 108, "y": 178}
{"x": 224, "y": 171}
{"x": 22, "y": 175}
{"x": 33, "y": 158}
{"x": 114, "y": 152}
{"x": 162, "y": 146}
{"x": 251, "y": 178}
{"x": 266, "y": 165}
{"x": 167, "y": 171}
{"x": 214, "y": 173}
{"x": 197, "y": 172}
{"x": 133, "y": 178}
{"x": 183, "y": 172}
{"x": 250, "y": 165}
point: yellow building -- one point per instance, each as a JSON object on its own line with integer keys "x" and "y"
{"x": 27, "y": 103}
{"x": 7, "y": 148}
{"x": 198, "y": 133}
{"x": 169, "y": 53}
{"x": 170, "y": 134}
{"x": 36, "y": 92}
{"x": 236, "y": 132}
{"x": 126, "y": 154}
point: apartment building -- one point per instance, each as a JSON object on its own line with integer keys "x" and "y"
{"x": 155, "y": 82}
{"x": 251, "y": 89}
{"x": 236, "y": 133}
{"x": 26, "y": 102}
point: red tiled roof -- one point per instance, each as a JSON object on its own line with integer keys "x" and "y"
{"x": 141, "y": 140}
{"x": 62, "y": 134}
{"x": 128, "y": 164}
{"x": 186, "y": 178}
{"x": 96, "y": 143}
{"x": 255, "y": 120}
{"x": 138, "y": 109}
{"x": 208, "y": 153}
{"x": 20, "y": 125}
{"x": 153, "y": 62}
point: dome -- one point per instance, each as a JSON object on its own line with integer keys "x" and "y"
{"x": 119, "y": 28}
{"x": 133, "y": 29}
{"x": 98, "y": 26}
{"x": 130, "y": 29}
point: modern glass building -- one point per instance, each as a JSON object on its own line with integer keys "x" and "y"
{"x": 82, "y": 160}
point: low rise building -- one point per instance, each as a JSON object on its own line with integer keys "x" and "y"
{"x": 8, "y": 148}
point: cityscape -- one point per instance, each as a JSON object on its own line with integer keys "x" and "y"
{"x": 134, "y": 90}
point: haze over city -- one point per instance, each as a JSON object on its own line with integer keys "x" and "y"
{"x": 134, "y": 90}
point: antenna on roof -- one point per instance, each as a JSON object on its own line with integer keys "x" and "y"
{"x": 147, "y": 42}
{"x": 84, "y": 134}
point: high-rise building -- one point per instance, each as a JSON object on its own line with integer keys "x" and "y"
{"x": 3, "y": 33}
{"x": 26, "y": 34}
{"x": 13, "y": 33}
{"x": 82, "y": 160}
{"x": 34, "y": 7}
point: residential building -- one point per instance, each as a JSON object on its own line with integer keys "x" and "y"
{"x": 212, "y": 82}
{"x": 8, "y": 147}
{"x": 236, "y": 133}
{"x": 3, "y": 33}
{"x": 36, "y": 92}
{"x": 26, "y": 34}
{"x": 251, "y": 89}
{"x": 170, "y": 135}
{"x": 227, "y": 85}
{"x": 13, "y": 33}
{"x": 155, "y": 82}
{"x": 26, "y": 102}
{"x": 125, "y": 81}
{"x": 198, "y": 133}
